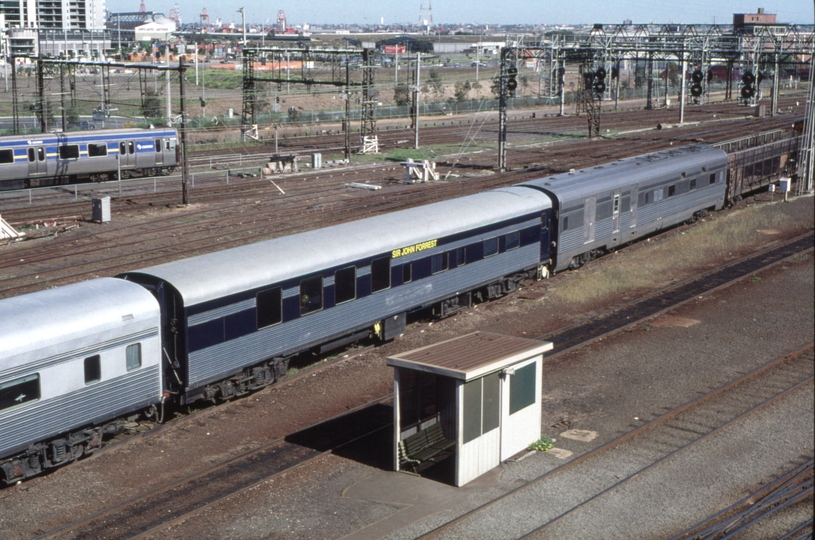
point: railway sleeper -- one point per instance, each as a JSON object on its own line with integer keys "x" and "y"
{"x": 57, "y": 452}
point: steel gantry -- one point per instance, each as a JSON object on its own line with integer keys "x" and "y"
{"x": 51, "y": 66}
{"x": 305, "y": 66}
{"x": 759, "y": 56}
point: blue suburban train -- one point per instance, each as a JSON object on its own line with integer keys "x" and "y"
{"x": 76, "y": 360}
{"x": 47, "y": 159}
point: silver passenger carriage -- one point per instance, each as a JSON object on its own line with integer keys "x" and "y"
{"x": 267, "y": 301}
{"x": 45, "y": 159}
{"x": 602, "y": 208}
{"x": 73, "y": 359}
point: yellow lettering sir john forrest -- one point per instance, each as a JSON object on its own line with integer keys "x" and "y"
{"x": 414, "y": 248}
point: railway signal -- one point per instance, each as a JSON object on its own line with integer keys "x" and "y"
{"x": 748, "y": 90}
{"x": 512, "y": 78}
{"x": 600, "y": 80}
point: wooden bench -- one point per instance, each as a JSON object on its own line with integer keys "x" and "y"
{"x": 423, "y": 446}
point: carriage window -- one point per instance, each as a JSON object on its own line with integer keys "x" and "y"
{"x": 657, "y": 195}
{"x": 311, "y": 295}
{"x": 407, "y": 272}
{"x": 95, "y": 150}
{"x": 122, "y": 148}
{"x": 93, "y": 369}
{"x": 269, "y": 307}
{"x": 133, "y": 356}
{"x": 490, "y": 247}
{"x": 18, "y": 391}
{"x": 513, "y": 240}
{"x": 6, "y": 156}
{"x": 439, "y": 263}
{"x": 158, "y": 146}
{"x": 69, "y": 151}
{"x": 40, "y": 154}
{"x": 713, "y": 178}
{"x": 131, "y": 148}
{"x": 671, "y": 190}
{"x": 380, "y": 274}
{"x": 692, "y": 184}
{"x": 566, "y": 223}
{"x": 461, "y": 256}
{"x": 345, "y": 284}
{"x": 31, "y": 155}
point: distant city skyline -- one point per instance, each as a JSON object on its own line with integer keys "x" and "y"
{"x": 370, "y": 12}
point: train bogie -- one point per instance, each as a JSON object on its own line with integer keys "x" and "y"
{"x": 73, "y": 359}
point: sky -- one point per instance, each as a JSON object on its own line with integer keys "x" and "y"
{"x": 480, "y": 11}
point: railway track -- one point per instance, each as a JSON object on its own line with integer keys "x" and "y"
{"x": 789, "y": 489}
{"x": 645, "y": 448}
{"x": 182, "y": 499}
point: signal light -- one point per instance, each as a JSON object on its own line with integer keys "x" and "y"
{"x": 599, "y": 80}
{"x": 512, "y": 81}
{"x": 697, "y": 76}
{"x": 748, "y": 90}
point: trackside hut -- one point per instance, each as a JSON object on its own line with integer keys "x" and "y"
{"x": 469, "y": 402}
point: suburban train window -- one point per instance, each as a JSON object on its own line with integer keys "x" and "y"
{"x": 439, "y": 263}
{"x": 269, "y": 307}
{"x": 133, "y": 356}
{"x": 345, "y": 284}
{"x": 461, "y": 256}
{"x": 407, "y": 272}
{"x": 713, "y": 178}
{"x": 158, "y": 145}
{"x": 31, "y": 155}
{"x": 566, "y": 223}
{"x": 40, "y": 154}
{"x": 380, "y": 274}
{"x": 311, "y": 294}
{"x": 18, "y": 391}
{"x": 131, "y": 148}
{"x": 513, "y": 240}
{"x": 671, "y": 190}
{"x": 122, "y": 148}
{"x": 96, "y": 150}
{"x": 69, "y": 151}
{"x": 490, "y": 247}
{"x": 692, "y": 184}
{"x": 93, "y": 369}
{"x": 6, "y": 156}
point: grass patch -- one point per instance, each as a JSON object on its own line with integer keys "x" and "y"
{"x": 691, "y": 251}
{"x": 544, "y": 444}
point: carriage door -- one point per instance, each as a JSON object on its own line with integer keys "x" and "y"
{"x": 615, "y": 218}
{"x": 127, "y": 154}
{"x": 589, "y": 206}
{"x": 159, "y": 153}
{"x": 36, "y": 160}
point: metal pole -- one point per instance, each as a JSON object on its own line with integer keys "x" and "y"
{"x": 119, "y": 172}
{"x": 185, "y": 166}
{"x": 41, "y": 98}
{"x": 416, "y": 101}
{"x": 347, "y": 113}
{"x": 502, "y": 113}
{"x": 681, "y": 89}
{"x": 169, "y": 103}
